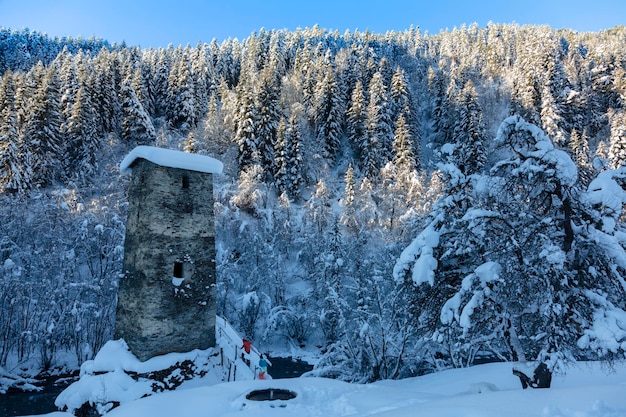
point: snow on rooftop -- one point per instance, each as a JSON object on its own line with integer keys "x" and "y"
{"x": 172, "y": 159}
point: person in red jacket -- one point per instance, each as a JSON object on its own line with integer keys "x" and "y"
{"x": 247, "y": 346}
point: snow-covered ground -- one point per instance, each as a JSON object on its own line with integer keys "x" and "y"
{"x": 587, "y": 390}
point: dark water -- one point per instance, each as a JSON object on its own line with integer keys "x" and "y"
{"x": 288, "y": 368}
{"x": 28, "y": 403}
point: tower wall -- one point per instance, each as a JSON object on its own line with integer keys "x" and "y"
{"x": 166, "y": 297}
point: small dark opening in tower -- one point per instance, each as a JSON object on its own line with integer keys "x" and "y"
{"x": 178, "y": 269}
{"x": 185, "y": 181}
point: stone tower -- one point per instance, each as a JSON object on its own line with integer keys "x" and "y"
{"x": 166, "y": 295}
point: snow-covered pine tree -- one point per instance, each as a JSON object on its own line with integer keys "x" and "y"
{"x": 268, "y": 117}
{"x": 551, "y": 120}
{"x": 400, "y": 99}
{"x": 356, "y": 121}
{"x": 83, "y": 141}
{"x": 293, "y": 161}
{"x": 69, "y": 85}
{"x": 280, "y": 177}
{"x": 348, "y": 214}
{"x": 137, "y": 125}
{"x": 617, "y": 142}
{"x": 379, "y": 139}
{"x": 246, "y": 134}
{"x": 469, "y": 132}
{"x": 403, "y": 146}
{"x": 204, "y": 81}
{"x": 182, "y": 105}
{"x": 318, "y": 208}
{"x": 579, "y": 148}
{"x": 140, "y": 85}
{"x": 41, "y": 127}
{"x": 160, "y": 81}
{"x": 9, "y": 137}
{"x": 105, "y": 89}
{"x": 441, "y": 110}
{"x": 329, "y": 113}
{"x": 190, "y": 142}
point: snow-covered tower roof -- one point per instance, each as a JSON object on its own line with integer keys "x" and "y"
{"x": 172, "y": 159}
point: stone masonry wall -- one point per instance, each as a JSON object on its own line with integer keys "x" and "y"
{"x": 166, "y": 297}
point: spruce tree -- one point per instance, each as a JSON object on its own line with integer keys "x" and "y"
{"x": 137, "y": 125}
{"x": 348, "y": 215}
{"x": 579, "y": 148}
{"x": 404, "y": 158}
{"x": 357, "y": 120}
{"x": 379, "y": 139}
{"x": 280, "y": 178}
{"x": 289, "y": 177}
{"x": 293, "y": 158}
{"x": 41, "y": 128}
{"x": 400, "y": 98}
{"x": 268, "y": 117}
{"x": 9, "y": 138}
{"x": 105, "y": 90}
{"x": 469, "y": 133}
{"x": 442, "y": 114}
{"x": 160, "y": 82}
{"x": 83, "y": 141}
{"x": 246, "y": 134}
{"x": 69, "y": 85}
{"x": 181, "y": 99}
{"x": 329, "y": 112}
{"x": 617, "y": 142}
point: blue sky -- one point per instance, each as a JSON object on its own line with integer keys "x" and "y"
{"x": 157, "y": 23}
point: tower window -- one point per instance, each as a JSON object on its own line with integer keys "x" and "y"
{"x": 185, "y": 182}
{"x": 178, "y": 270}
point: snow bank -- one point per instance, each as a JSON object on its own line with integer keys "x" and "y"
{"x": 103, "y": 390}
{"x": 106, "y": 379}
{"x": 587, "y": 390}
{"x": 172, "y": 159}
{"x": 115, "y": 355}
{"x": 11, "y": 380}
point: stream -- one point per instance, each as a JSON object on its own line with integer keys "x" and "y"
{"x": 20, "y": 403}
{"x": 287, "y": 368}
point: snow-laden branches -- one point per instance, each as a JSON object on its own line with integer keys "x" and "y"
{"x": 418, "y": 256}
{"x": 477, "y": 286}
{"x": 608, "y": 330}
{"x": 535, "y": 146}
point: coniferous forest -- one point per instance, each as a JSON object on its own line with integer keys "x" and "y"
{"x": 393, "y": 204}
